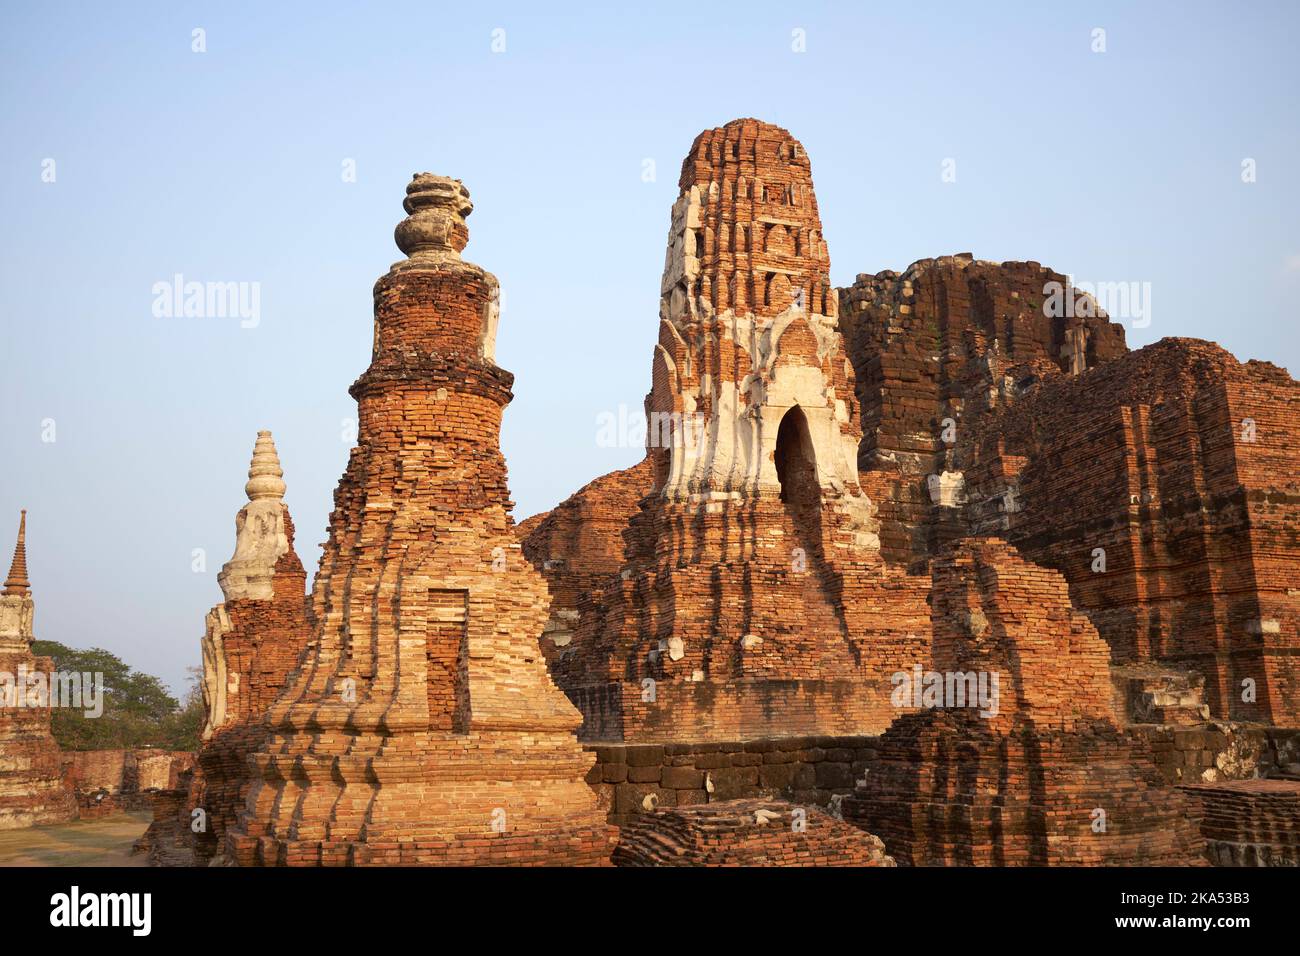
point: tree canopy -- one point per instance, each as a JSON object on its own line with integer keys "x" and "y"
{"x": 138, "y": 710}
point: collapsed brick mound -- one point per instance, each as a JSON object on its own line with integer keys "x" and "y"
{"x": 745, "y": 833}
{"x": 949, "y": 790}
{"x": 1249, "y": 822}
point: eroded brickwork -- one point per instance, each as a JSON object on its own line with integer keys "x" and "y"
{"x": 1249, "y": 822}
{"x": 1045, "y": 777}
{"x": 809, "y": 771}
{"x": 1163, "y": 486}
{"x": 33, "y": 787}
{"x": 423, "y": 727}
{"x": 1162, "y": 482}
{"x": 944, "y": 342}
{"x": 580, "y": 543}
{"x": 108, "y": 781}
{"x": 746, "y": 833}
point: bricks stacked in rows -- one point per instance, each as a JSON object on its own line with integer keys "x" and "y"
{"x": 1249, "y": 822}
{"x": 746, "y": 833}
{"x": 942, "y": 340}
{"x": 809, "y": 771}
{"x": 1047, "y": 780}
{"x": 109, "y": 781}
{"x": 1148, "y": 455}
{"x": 264, "y": 645}
{"x": 1147, "y": 458}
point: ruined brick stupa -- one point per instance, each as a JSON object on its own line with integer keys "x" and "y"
{"x": 748, "y": 599}
{"x": 252, "y": 642}
{"x": 32, "y": 787}
{"x": 423, "y": 727}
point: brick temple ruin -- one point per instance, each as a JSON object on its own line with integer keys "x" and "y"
{"x": 750, "y": 596}
{"x": 929, "y": 570}
{"x": 956, "y": 469}
{"x": 33, "y": 787}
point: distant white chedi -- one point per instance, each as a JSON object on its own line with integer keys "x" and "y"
{"x": 260, "y": 541}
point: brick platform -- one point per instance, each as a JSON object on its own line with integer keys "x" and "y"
{"x": 805, "y": 770}
{"x": 1249, "y": 822}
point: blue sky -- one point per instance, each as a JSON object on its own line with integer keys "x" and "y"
{"x": 226, "y": 165}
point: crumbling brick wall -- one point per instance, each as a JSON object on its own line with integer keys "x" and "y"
{"x": 629, "y": 778}
{"x": 1177, "y": 526}
{"x": 944, "y": 341}
{"x": 106, "y": 781}
{"x": 746, "y": 833}
{"x": 988, "y": 411}
{"x": 580, "y": 543}
{"x": 1044, "y": 778}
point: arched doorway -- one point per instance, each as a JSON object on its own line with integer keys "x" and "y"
{"x": 796, "y": 466}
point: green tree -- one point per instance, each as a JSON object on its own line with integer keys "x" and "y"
{"x": 137, "y": 710}
{"x": 181, "y": 729}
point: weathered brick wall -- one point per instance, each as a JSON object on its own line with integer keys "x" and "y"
{"x": 736, "y": 709}
{"x": 580, "y": 543}
{"x": 1249, "y": 822}
{"x": 746, "y": 833}
{"x": 951, "y": 786}
{"x": 947, "y": 339}
{"x": 126, "y": 771}
{"x": 1199, "y": 527}
{"x": 1174, "y": 461}
{"x": 1220, "y": 751}
{"x": 805, "y": 770}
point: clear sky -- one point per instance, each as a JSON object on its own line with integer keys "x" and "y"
{"x": 228, "y": 166}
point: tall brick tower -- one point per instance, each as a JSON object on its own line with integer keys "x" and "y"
{"x": 32, "y": 788}
{"x": 749, "y": 600}
{"x": 423, "y": 727}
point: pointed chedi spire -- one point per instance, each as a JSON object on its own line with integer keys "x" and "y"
{"x": 260, "y": 534}
{"x": 265, "y": 476}
{"x": 17, "y": 583}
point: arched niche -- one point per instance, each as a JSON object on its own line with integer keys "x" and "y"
{"x": 796, "y": 461}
